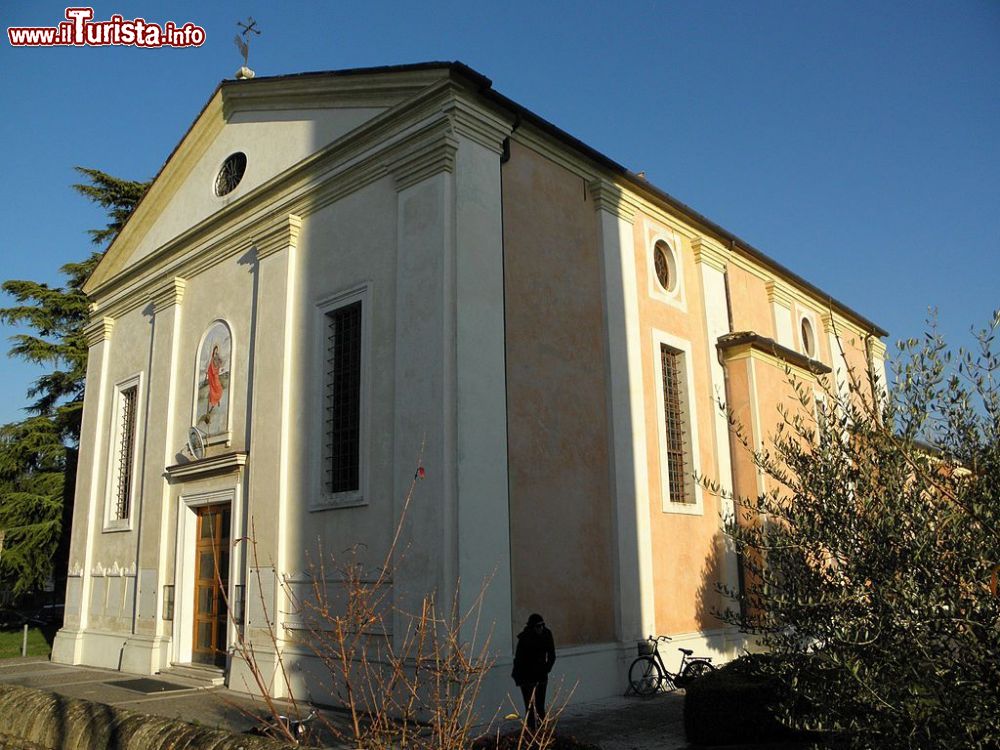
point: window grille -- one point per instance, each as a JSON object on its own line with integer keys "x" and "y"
{"x": 343, "y": 398}
{"x": 126, "y": 452}
{"x": 671, "y": 362}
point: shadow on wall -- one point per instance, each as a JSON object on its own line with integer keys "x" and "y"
{"x": 714, "y": 589}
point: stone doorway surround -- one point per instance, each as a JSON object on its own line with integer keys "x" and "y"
{"x": 184, "y": 573}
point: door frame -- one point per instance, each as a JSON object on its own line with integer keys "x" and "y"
{"x": 184, "y": 594}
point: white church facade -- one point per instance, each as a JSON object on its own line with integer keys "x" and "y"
{"x": 338, "y": 277}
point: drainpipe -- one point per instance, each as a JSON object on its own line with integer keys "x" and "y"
{"x": 733, "y": 443}
{"x": 504, "y": 158}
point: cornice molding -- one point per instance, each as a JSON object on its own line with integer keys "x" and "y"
{"x": 329, "y": 92}
{"x": 543, "y": 144}
{"x": 382, "y": 133}
{"x": 479, "y": 125}
{"x": 747, "y": 344}
{"x": 746, "y": 264}
{"x": 279, "y": 235}
{"x": 708, "y": 251}
{"x": 227, "y": 462}
{"x": 165, "y": 185}
{"x": 426, "y": 160}
{"x": 98, "y": 330}
{"x": 168, "y": 295}
{"x": 303, "y": 189}
{"x": 609, "y": 197}
{"x": 779, "y": 294}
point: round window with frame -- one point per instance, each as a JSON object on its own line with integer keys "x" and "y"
{"x": 808, "y": 337}
{"x": 665, "y": 266}
{"x": 230, "y": 173}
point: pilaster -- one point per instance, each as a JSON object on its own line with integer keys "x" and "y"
{"x": 633, "y": 570}
{"x": 89, "y": 505}
{"x": 450, "y": 351}
{"x": 279, "y": 320}
{"x": 711, "y": 261}
{"x": 426, "y": 160}
{"x": 483, "y": 522}
{"x": 709, "y": 253}
{"x": 611, "y": 199}
{"x": 780, "y": 298}
{"x": 835, "y": 335}
{"x": 160, "y": 434}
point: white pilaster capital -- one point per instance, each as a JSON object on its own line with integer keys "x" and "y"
{"x": 426, "y": 160}
{"x": 779, "y": 294}
{"x": 710, "y": 252}
{"x": 477, "y": 124}
{"x": 168, "y": 295}
{"x": 277, "y": 236}
{"x": 877, "y": 348}
{"x": 98, "y": 330}
{"x": 611, "y": 198}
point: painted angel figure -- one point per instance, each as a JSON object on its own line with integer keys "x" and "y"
{"x": 213, "y": 378}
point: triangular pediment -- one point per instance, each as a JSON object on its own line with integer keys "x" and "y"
{"x": 276, "y": 122}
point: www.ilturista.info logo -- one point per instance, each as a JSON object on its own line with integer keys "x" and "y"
{"x": 79, "y": 30}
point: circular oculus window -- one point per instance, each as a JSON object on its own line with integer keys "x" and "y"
{"x": 808, "y": 339}
{"x": 664, "y": 265}
{"x": 230, "y": 173}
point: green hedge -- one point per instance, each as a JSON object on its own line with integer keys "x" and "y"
{"x": 731, "y": 705}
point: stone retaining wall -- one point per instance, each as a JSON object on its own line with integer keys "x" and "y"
{"x": 36, "y": 720}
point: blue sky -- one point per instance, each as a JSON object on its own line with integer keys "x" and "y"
{"x": 858, "y": 143}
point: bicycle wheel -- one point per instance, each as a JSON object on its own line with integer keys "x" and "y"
{"x": 695, "y": 669}
{"x": 644, "y": 676}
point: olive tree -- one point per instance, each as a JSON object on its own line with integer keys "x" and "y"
{"x": 870, "y": 567}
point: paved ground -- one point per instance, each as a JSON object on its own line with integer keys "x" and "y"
{"x": 655, "y": 723}
{"x": 613, "y": 724}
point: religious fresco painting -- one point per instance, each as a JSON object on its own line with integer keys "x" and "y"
{"x": 214, "y": 361}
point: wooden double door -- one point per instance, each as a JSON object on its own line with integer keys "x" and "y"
{"x": 211, "y": 585}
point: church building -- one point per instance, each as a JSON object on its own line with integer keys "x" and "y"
{"x": 339, "y": 278}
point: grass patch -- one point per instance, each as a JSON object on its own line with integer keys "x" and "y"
{"x": 39, "y": 641}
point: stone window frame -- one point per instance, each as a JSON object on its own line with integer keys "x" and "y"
{"x": 659, "y": 237}
{"x": 694, "y": 506}
{"x": 322, "y": 497}
{"x": 112, "y": 521}
{"x": 807, "y": 318}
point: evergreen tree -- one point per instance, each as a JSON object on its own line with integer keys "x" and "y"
{"x": 38, "y": 454}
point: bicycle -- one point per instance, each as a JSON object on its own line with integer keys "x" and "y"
{"x": 280, "y": 727}
{"x": 648, "y": 672}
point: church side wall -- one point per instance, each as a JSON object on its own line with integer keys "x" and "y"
{"x": 685, "y": 535}
{"x": 560, "y": 514}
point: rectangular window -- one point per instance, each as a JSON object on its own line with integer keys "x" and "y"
{"x": 675, "y": 424}
{"x": 342, "y": 414}
{"x": 122, "y": 458}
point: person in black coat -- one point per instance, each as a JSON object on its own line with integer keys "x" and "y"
{"x": 533, "y": 660}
